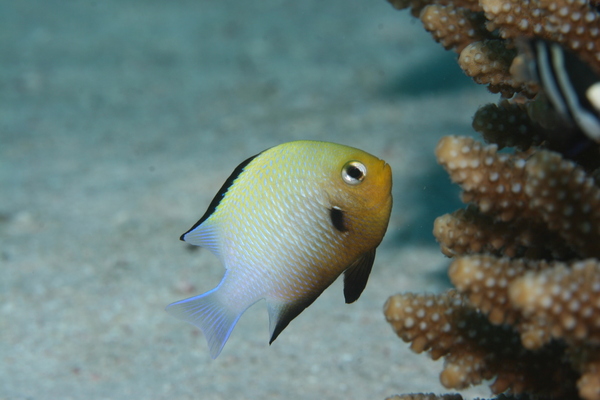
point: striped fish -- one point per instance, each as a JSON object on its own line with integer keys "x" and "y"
{"x": 570, "y": 84}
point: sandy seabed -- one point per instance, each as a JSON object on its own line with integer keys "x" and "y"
{"x": 119, "y": 121}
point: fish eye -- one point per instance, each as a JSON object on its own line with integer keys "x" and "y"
{"x": 354, "y": 172}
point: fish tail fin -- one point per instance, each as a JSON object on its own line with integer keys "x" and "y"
{"x": 214, "y": 318}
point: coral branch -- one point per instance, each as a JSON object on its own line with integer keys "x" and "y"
{"x": 567, "y": 199}
{"x": 508, "y": 125}
{"x": 526, "y": 309}
{"x": 573, "y": 23}
{"x": 563, "y": 301}
{"x": 488, "y": 62}
{"x": 492, "y": 181}
{"x": 469, "y": 231}
{"x": 447, "y": 325}
{"x": 454, "y": 28}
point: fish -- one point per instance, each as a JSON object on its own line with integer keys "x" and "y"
{"x": 285, "y": 225}
{"x": 571, "y": 86}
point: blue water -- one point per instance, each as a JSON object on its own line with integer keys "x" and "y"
{"x": 119, "y": 121}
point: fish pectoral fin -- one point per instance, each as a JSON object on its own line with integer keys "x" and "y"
{"x": 281, "y": 314}
{"x": 356, "y": 276}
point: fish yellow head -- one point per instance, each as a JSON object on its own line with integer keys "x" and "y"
{"x": 285, "y": 225}
{"x": 360, "y": 187}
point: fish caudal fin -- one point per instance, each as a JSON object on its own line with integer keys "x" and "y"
{"x": 211, "y": 315}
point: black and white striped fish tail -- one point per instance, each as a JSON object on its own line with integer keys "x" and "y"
{"x": 571, "y": 86}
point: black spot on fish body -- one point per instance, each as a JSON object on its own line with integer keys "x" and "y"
{"x": 220, "y": 194}
{"x": 338, "y": 219}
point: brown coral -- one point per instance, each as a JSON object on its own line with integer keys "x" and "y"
{"x": 468, "y": 231}
{"x": 555, "y": 208}
{"x": 455, "y": 28}
{"x": 542, "y": 188}
{"x": 448, "y": 325}
{"x": 573, "y": 23}
{"x": 567, "y": 199}
{"x": 488, "y": 62}
{"x": 508, "y": 124}
{"x": 563, "y": 301}
{"x": 492, "y": 181}
{"x": 541, "y": 299}
{"x": 535, "y": 204}
{"x": 526, "y": 308}
{"x": 486, "y": 279}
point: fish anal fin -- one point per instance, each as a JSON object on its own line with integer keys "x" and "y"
{"x": 211, "y": 315}
{"x": 356, "y": 276}
{"x": 281, "y": 314}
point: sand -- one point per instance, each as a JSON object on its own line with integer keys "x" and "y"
{"x": 119, "y": 121}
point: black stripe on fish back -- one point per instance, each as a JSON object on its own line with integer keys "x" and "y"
{"x": 221, "y": 193}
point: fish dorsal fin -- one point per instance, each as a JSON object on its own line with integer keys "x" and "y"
{"x": 198, "y": 234}
{"x": 356, "y": 276}
{"x": 281, "y": 314}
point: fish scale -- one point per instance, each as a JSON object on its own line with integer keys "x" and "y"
{"x": 285, "y": 225}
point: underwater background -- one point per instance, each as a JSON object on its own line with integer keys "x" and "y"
{"x": 120, "y": 120}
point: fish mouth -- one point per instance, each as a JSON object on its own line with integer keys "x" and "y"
{"x": 386, "y": 167}
{"x": 387, "y": 170}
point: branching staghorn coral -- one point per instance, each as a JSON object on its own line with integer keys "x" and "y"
{"x": 526, "y": 260}
{"x": 508, "y": 124}
{"x": 526, "y": 309}
{"x": 449, "y": 326}
{"x": 542, "y": 300}
{"x": 541, "y": 188}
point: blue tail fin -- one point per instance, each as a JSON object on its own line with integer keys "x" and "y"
{"x": 209, "y": 314}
